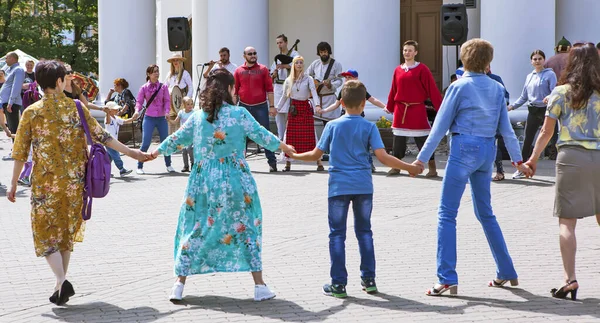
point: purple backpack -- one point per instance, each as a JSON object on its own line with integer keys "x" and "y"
{"x": 97, "y": 175}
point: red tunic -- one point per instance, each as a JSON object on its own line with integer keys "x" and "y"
{"x": 412, "y": 88}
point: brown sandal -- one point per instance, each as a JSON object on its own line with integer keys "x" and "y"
{"x": 498, "y": 177}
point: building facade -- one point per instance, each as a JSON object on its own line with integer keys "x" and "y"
{"x": 365, "y": 35}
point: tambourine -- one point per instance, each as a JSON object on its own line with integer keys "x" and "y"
{"x": 176, "y": 101}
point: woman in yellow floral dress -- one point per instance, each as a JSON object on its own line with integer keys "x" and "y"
{"x": 52, "y": 126}
{"x": 576, "y": 103}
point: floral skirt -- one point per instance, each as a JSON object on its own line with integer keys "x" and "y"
{"x": 220, "y": 220}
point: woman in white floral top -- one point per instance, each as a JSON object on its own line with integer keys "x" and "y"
{"x": 220, "y": 221}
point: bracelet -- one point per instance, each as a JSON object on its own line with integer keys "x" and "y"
{"x": 271, "y": 106}
{"x": 519, "y": 163}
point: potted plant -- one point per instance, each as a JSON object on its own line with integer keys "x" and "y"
{"x": 385, "y": 130}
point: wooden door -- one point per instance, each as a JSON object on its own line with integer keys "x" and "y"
{"x": 420, "y": 21}
{"x": 187, "y": 54}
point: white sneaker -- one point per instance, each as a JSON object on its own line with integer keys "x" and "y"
{"x": 263, "y": 293}
{"x": 518, "y": 175}
{"x": 176, "y": 292}
{"x": 170, "y": 169}
{"x": 140, "y": 171}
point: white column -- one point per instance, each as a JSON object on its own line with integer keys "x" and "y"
{"x": 577, "y": 20}
{"x": 126, "y": 42}
{"x": 237, "y": 24}
{"x": 516, "y": 28}
{"x": 199, "y": 37}
{"x": 355, "y": 33}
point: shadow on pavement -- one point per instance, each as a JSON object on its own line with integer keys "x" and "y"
{"x": 101, "y": 311}
{"x": 288, "y": 311}
{"x": 541, "y": 304}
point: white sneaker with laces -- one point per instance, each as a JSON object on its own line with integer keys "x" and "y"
{"x": 170, "y": 169}
{"x": 140, "y": 171}
{"x": 518, "y": 175}
{"x": 177, "y": 292}
{"x": 263, "y": 293}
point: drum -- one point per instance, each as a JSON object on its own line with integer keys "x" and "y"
{"x": 176, "y": 101}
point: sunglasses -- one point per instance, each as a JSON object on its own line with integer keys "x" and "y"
{"x": 251, "y": 54}
{"x": 69, "y": 72}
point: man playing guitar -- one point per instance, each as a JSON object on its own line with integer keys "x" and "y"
{"x": 325, "y": 70}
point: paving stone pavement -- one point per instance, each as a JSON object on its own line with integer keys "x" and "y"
{"x": 122, "y": 272}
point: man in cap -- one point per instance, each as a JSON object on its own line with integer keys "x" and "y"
{"x": 558, "y": 62}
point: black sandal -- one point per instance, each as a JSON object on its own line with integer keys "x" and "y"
{"x": 501, "y": 282}
{"x": 563, "y": 293}
{"x": 499, "y": 177}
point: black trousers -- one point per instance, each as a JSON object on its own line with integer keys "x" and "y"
{"x": 12, "y": 118}
{"x": 399, "y": 148}
{"x": 535, "y": 119}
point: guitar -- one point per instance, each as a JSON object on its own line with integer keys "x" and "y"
{"x": 319, "y": 82}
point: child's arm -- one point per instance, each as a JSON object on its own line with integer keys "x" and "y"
{"x": 332, "y": 107}
{"x": 376, "y": 102}
{"x": 312, "y": 155}
{"x": 107, "y": 118}
{"x": 126, "y": 121}
{"x": 394, "y": 162}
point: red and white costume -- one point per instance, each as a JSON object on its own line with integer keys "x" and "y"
{"x": 411, "y": 86}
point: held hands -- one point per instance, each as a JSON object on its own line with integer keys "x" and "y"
{"x": 532, "y": 165}
{"x": 416, "y": 168}
{"x": 510, "y": 108}
{"x": 289, "y": 150}
{"x": 327, "y": 83}
{"x": 386, "y": 110}
{"x": 318, "y": 109}
{"x": 526, "y": 170}
{"x": 272, "y": 111}
{"x": 7, "y": 132}
{"x": 142, "y": 156}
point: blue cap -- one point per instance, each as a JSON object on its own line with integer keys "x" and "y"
{"x": 352, "y": 73}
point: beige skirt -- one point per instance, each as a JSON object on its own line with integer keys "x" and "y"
{"x": 577, "y": 182}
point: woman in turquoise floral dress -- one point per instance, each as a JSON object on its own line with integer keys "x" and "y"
{"x": 220, "y": 221}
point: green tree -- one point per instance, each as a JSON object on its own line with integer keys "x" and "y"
{"x": 41, "y": 27}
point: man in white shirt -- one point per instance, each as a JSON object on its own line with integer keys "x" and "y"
{"x": 279, "y": 72}
{"x": 223, "y": 62}
{"x": 327, "y": 85}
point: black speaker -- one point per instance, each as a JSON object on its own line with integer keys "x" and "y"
{"x": 455, "y": 25}
{"x": 178, "y": 31}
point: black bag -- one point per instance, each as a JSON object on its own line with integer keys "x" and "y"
{"x": 143, "y": 112}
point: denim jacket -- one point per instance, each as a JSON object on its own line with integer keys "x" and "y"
{"x": 474, "y": 105}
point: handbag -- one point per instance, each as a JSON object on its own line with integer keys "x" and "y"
{"x": 97, "y": 174}
{"x": 143, "y": 112}
{"x": 292, "y": 110}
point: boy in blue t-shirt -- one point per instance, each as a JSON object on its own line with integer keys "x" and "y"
{"x": 347, "y": 139}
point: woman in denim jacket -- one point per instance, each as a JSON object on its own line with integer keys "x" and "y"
{"x": 473, "y": 110}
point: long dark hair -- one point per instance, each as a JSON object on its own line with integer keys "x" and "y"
{"x": 583, "y": 74}
{"x": 216, "y": 92}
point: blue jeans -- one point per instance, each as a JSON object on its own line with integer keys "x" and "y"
{"x": 116, "y": 157}
{"x": 147, "y": 128}
{"x": 261, "y": 114}
{"x": 471, "y": 159}
{"x": 498, "y": 161}
{"x": 362, "y": 205}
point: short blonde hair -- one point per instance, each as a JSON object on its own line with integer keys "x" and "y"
{"x": 185, "y": 100}
{"x": 476, "y": 54}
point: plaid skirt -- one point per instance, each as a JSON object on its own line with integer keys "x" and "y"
{"x": 300, "y": 131}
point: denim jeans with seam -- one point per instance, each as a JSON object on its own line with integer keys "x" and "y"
{"x": 362, "y": 205}
{"x": 471, "y": 160}
{"x": 115, "y": 157}
{"x": 148, "y": 126}
{"x": 260, "y": 112}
